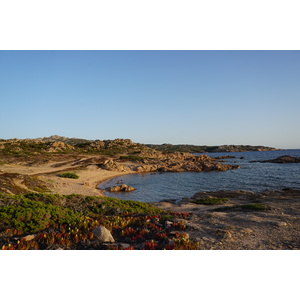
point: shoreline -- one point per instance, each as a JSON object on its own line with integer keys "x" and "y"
{"x": 87, "y": 184}
{"x": 90, "y": 177}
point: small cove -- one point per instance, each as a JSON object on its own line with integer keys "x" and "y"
{"x": 153, "y": 187}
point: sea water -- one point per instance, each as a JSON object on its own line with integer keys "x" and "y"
{"x": 256, "y": 177}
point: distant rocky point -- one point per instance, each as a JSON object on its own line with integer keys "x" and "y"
{"x": 209, "y": 149}
{"x": 285, "y": 159}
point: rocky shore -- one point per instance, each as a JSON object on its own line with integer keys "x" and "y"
{"x": 44, "y": 161}
{"x": 235, "y": 220}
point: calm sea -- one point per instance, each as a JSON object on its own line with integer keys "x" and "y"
{"x": 153, "y": 187}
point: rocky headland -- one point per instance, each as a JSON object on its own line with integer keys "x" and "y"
{"x": 93, "y": 161}
{"x": 166, "y": 148}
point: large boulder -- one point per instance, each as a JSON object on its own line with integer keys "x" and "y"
{"x": 121, "y": 188}
{"x": 103, "y": 234}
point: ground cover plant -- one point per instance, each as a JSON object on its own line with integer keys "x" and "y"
{"x": 210, "y": 201}
{"x": 255, "y": 206}
{"x": 49, "y": 221}
{"x": 68, "y": 175}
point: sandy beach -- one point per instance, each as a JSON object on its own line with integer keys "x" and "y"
{"x": 90, "y": 176}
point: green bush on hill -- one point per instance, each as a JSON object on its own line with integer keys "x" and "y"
{"x": 69, "y": 175}
{"x": 210, "y": 201}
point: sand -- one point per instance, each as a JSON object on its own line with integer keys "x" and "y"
{"x": 89, "y": 177}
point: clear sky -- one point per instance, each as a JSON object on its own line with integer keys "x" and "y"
{"x": 178, "y": 97}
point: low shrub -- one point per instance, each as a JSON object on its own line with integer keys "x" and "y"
{"x": 113, "y": 206}
{"x": 244, "y": 207}
{"x": 69, "y": 175}
{"x": 255, "y": 206}
{"x": 33, "y": 216}
{"x": 210, "y": 201}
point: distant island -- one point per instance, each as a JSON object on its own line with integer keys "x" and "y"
{"x": 166, "y": 148}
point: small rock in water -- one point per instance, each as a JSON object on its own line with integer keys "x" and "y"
{"x": 121, "y": 188}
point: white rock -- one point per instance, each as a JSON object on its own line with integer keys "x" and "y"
{"x": 103, "y": 234}
{"x": 28, "y": 238}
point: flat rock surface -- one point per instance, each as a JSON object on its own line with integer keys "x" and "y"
{"x": 233, "y": 226}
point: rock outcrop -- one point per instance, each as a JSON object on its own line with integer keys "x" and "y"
{"x": 120, "y": 188}
{"x": 59, "y": 146}
{"x": 285, "y": 159}
{"x": 112, "y": 165}
{"x": 184, "y": 162}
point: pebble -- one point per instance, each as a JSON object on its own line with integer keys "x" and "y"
{"x": 280, "y": 224}
{"x": 168, "y": 224}
{"x": 28, "y": 238}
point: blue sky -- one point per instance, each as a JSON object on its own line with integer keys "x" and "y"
{"x": 178, "y": 97}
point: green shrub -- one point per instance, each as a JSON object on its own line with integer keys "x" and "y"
{"x": 69, "y": 175}
{"x": 255, "y": 206}
{"x": 33, "y": 216}
{"x": 115, "y": 206}
{"x": 210, "y": 201}
{"x": 244, "y": 207}
{"x": 54, "y": 199}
